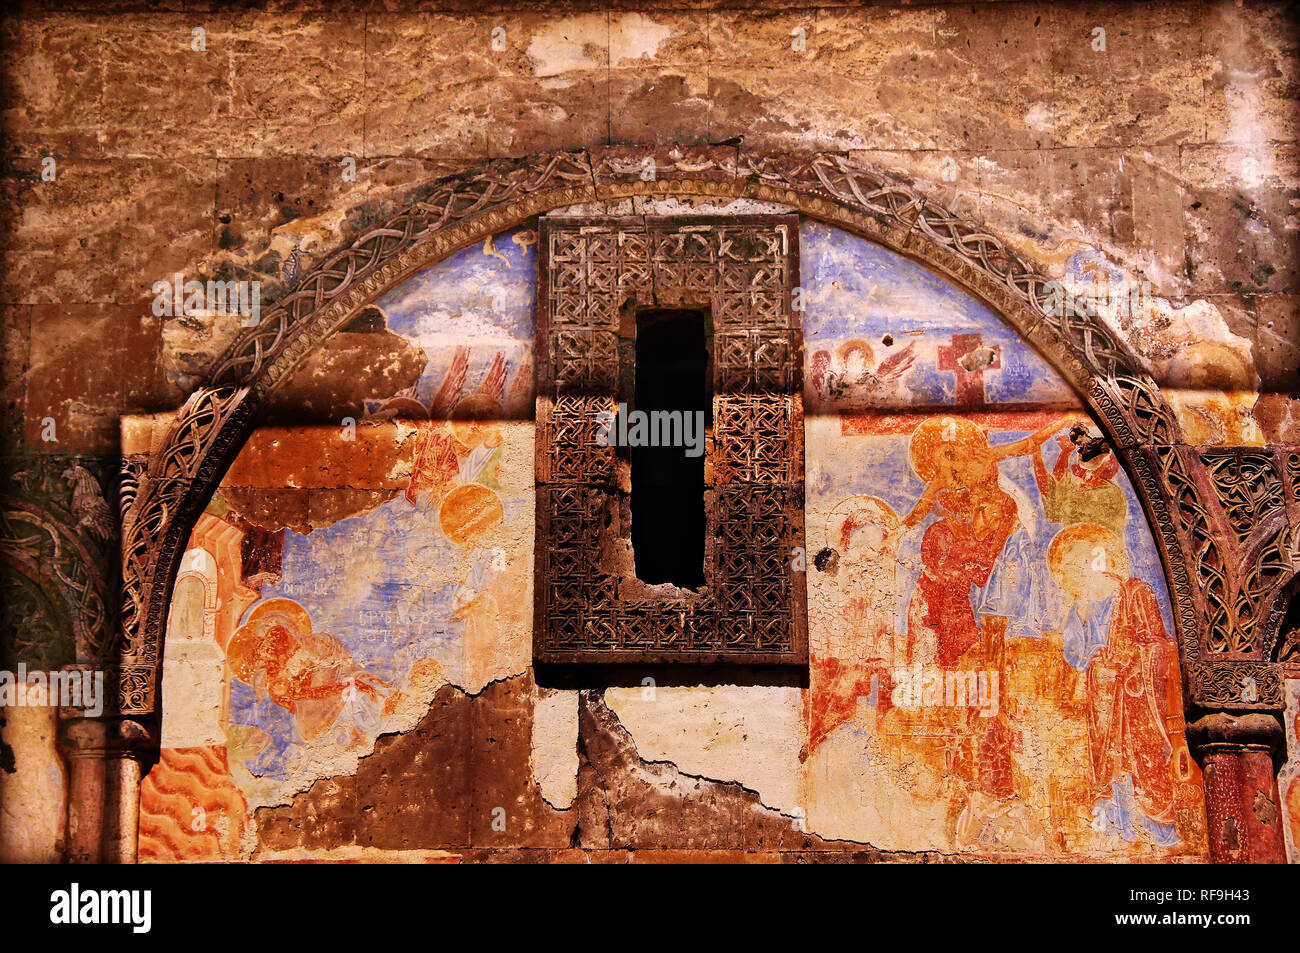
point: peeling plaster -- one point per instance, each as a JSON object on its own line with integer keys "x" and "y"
{"x": 555, "y": 746}
{"x": 749, "y": 735}
{"x": 573, "y": 43}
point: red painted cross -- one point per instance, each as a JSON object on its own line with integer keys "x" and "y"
{"x": 970, "y": 384}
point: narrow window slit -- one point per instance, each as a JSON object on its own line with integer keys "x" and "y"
{"x": 672, "y": 398}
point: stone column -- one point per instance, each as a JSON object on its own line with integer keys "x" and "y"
{"x": 105, "y": 764}
{"x": 34, "y": 794}
{"x": 1239, "y": 755}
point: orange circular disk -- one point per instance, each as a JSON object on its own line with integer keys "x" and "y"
{"x": 468, "y": 512}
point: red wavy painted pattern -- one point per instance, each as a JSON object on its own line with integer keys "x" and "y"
{"x": 190, "y": 808}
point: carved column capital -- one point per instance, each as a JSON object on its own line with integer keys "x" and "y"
{"x": 108, "y": 737}
{"x": 1221, "y": 731}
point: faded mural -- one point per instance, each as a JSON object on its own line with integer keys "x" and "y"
{"x": 356, "y": 623}
{"x": 993, "y": 661}
{"x": 993, "y": 668}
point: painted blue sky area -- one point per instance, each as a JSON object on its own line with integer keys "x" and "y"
{"x": 877, "y": 465}
{"x": 1022, "y": 377}
{"x": 857, "y": 290}
{"x": 853, "y": 286}
{"x": 483, "y": 296}
{"x": 385, "y": 584}
{"x": 391, "y": 608}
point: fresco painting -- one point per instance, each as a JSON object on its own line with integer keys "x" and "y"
{"x": 481, "y": 299}
{"x": 992, "y": 669}
{"x": 992, "y": 652}
{"x": 362, "y": 620}
{"x": 1207, "y": 371}
{"x": 884, "y": 333}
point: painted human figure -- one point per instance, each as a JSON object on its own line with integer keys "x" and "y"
{"x": 461, "y": 435}
{"x": 1082, "y": 491}
{"x": 864, "y": 531}
{"x": 311, "y": 675}
{"x": 1018, "y": 600}
{"x": 861, "y": 651}
{"x": 846, "y": 380}
{"x": 958, "y": 551}
{"x": 1134, "y": 701}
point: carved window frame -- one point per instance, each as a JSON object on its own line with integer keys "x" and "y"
{"x": 594, "y": 273}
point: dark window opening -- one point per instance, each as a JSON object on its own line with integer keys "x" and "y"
{"x": 1288, "y": 633}
{"x": 672, "y": 398}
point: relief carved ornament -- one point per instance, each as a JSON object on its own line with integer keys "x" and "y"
{"x": 1225, "y": 522}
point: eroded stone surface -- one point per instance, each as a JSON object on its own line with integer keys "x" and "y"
{"x": 628, "y": 802}
{"x": 460, "y": 778}
{"x": 750, "y": 735}
{"x": 33, "y": 789}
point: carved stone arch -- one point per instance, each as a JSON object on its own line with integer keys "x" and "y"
{"x": 63, "y": 573}
{"x": 169, "y": 491}
{"x": 39, "y": 587}
{"x": 1268, "y": 561}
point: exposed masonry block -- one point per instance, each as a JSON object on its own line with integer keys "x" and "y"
{"x": 435, "y": 786}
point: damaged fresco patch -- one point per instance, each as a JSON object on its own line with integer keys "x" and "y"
{"x": 987, "y": 603}
{"x": 354, "y": 611}
{"x": 323, "y": 140}
{"x": 349, "y": 631}
{"x": 484, "y": 297}
{"x": 992, "y": 668}
{"x": 884, "y": 332}
{"x": 971, "y": 643}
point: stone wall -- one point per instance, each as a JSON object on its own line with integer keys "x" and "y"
{"x": 1163, "y": 153}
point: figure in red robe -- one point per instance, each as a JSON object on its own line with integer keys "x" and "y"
{"x": 1134, "y": 706}
{"x": 958, "y": 550}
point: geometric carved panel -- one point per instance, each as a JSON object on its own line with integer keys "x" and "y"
{"x": 594, "y": 273}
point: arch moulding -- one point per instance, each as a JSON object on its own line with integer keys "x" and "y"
{"x": 1207, "y": 509}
